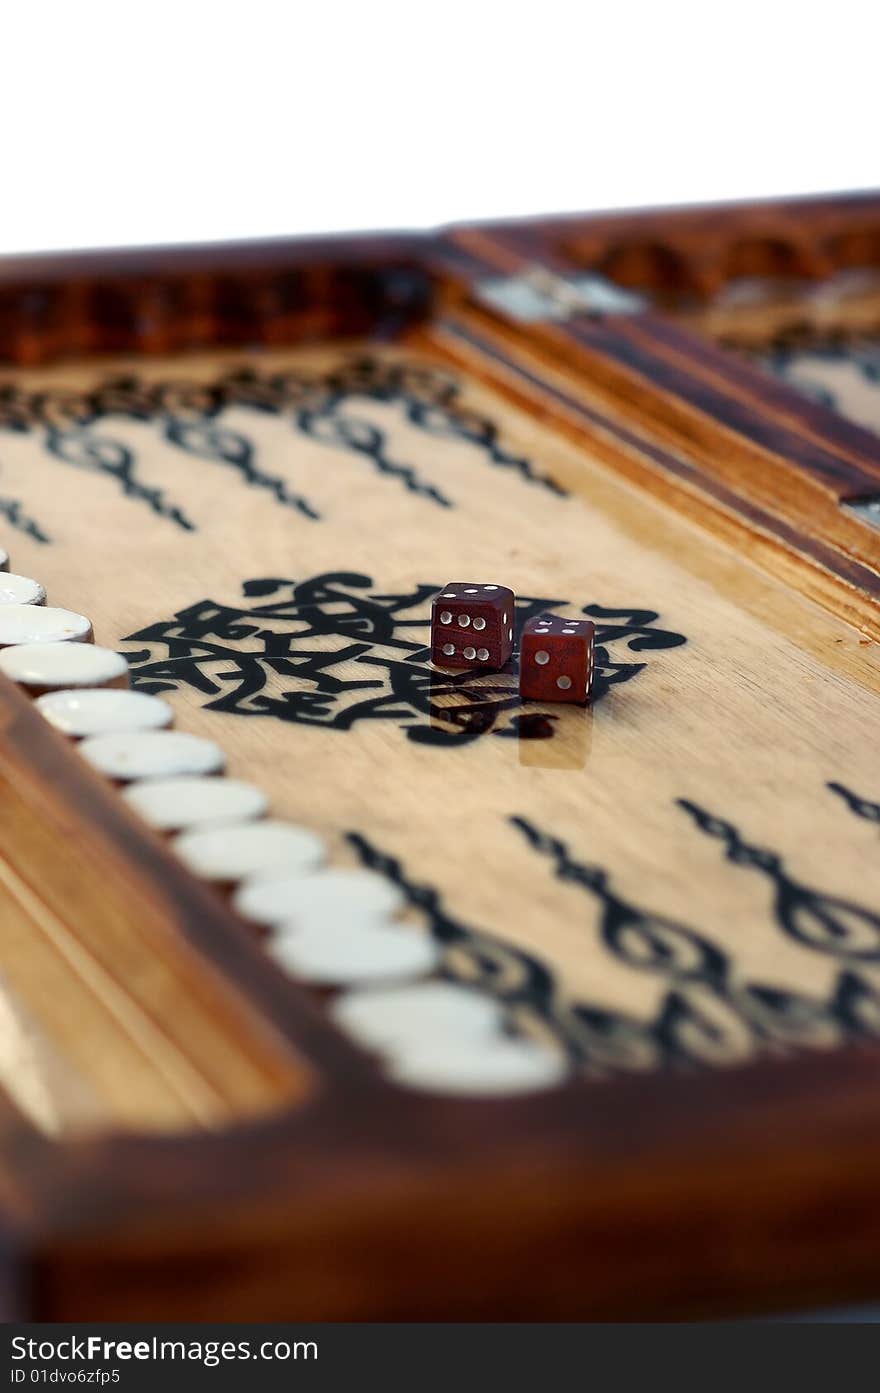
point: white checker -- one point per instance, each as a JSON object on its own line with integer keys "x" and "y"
{"x": 62, "y": 664}
{"x": 21, "y": 590}
{"x": 152, "y": 754}
{"x": 477, "y": 1068}
{"x": 329, "y": 897}
{"x": 342, "y": 956}
{"x": 237, "y": 850}
{"x": 41, "y": 624}
{"x": 173, "y": 804}
{"x": 390, "y": 1018}
{"x": 103, "y": 711}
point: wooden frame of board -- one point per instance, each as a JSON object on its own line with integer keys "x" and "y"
{"x": 311, "y": 1188}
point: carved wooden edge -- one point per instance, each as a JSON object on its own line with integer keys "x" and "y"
{"x": 179, "y": 299}
{"x": 277, "y": 291}
{"x": 750, "y": 448}
{"x": 698, "y": 250}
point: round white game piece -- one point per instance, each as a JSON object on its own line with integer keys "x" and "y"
{"x": 174, "y": 804}
{"x": 237, "y": 850}
{"x": 330, "y": 897}
{"x": 103, "y": 711}
{"x": 41, "y": 624}
{"x": 21, "y": 590}
{"x": 62, "y": 665}
{"x": 4, "y": 560}
{"x": 481, "y": 1068}
{"x": 393, "y": 1016}
{"x": 341, "y": 956}
{"x": 152, "y": 754}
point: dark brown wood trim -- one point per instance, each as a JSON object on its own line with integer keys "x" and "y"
{"x": 171, "y": 299}
{"x": 838, "y": 582}
{"x": 285, "y": 1221}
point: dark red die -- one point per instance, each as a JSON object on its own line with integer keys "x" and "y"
{"x": 556, "y": 659}
{"x": 472, "y": 625}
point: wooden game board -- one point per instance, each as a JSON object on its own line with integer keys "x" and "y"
{"x": 251, "y": 468}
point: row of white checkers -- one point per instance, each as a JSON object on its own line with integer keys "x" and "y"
{"x": 330, "y": 927}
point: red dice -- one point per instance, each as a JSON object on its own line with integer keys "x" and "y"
{"x": 472, "y": 625}
{"x": 556, "y": 659}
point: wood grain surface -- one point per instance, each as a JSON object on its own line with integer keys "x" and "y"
{"x": 678, "y": 887}
{"x": 721, "y": 687}
{"x": 110, "y": 1020}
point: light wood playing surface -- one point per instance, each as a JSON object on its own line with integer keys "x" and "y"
{"x": 751, "y": 703}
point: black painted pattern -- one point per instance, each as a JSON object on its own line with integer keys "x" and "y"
{"x": 282, "y": 654}
{"x": 208, "y": 440}
{"x": 707, "y": 1014}
{"x": 316, "y": 404}
{"x": 102, "y": 455}
{"x": 11, "y": 509}
{"x": 826, "y": 923}
{"x": 862, "y": 807}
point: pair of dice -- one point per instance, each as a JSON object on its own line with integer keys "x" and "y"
{"x": 472, "y": 627}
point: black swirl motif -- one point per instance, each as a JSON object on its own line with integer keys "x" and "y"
{"x": 639, "y": 938}
{"x": 826, "y": 923}
{"x": 12, "y": 510}
{"x": 346, "y": 433}
{"x": 283, "y": 655}
{"x": 105, "y": 456}
{"x": 428, "y": 397}
{"x": 705, "y": 1017}
{"x": 525, "y": 986}
{"x": 862, "y": 807}
{"x": 210, "y": 441}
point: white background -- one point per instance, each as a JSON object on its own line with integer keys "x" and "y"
{"x": 147, "y": 121}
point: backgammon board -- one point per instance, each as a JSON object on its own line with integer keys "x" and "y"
{"x": 568, "y": 1012}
